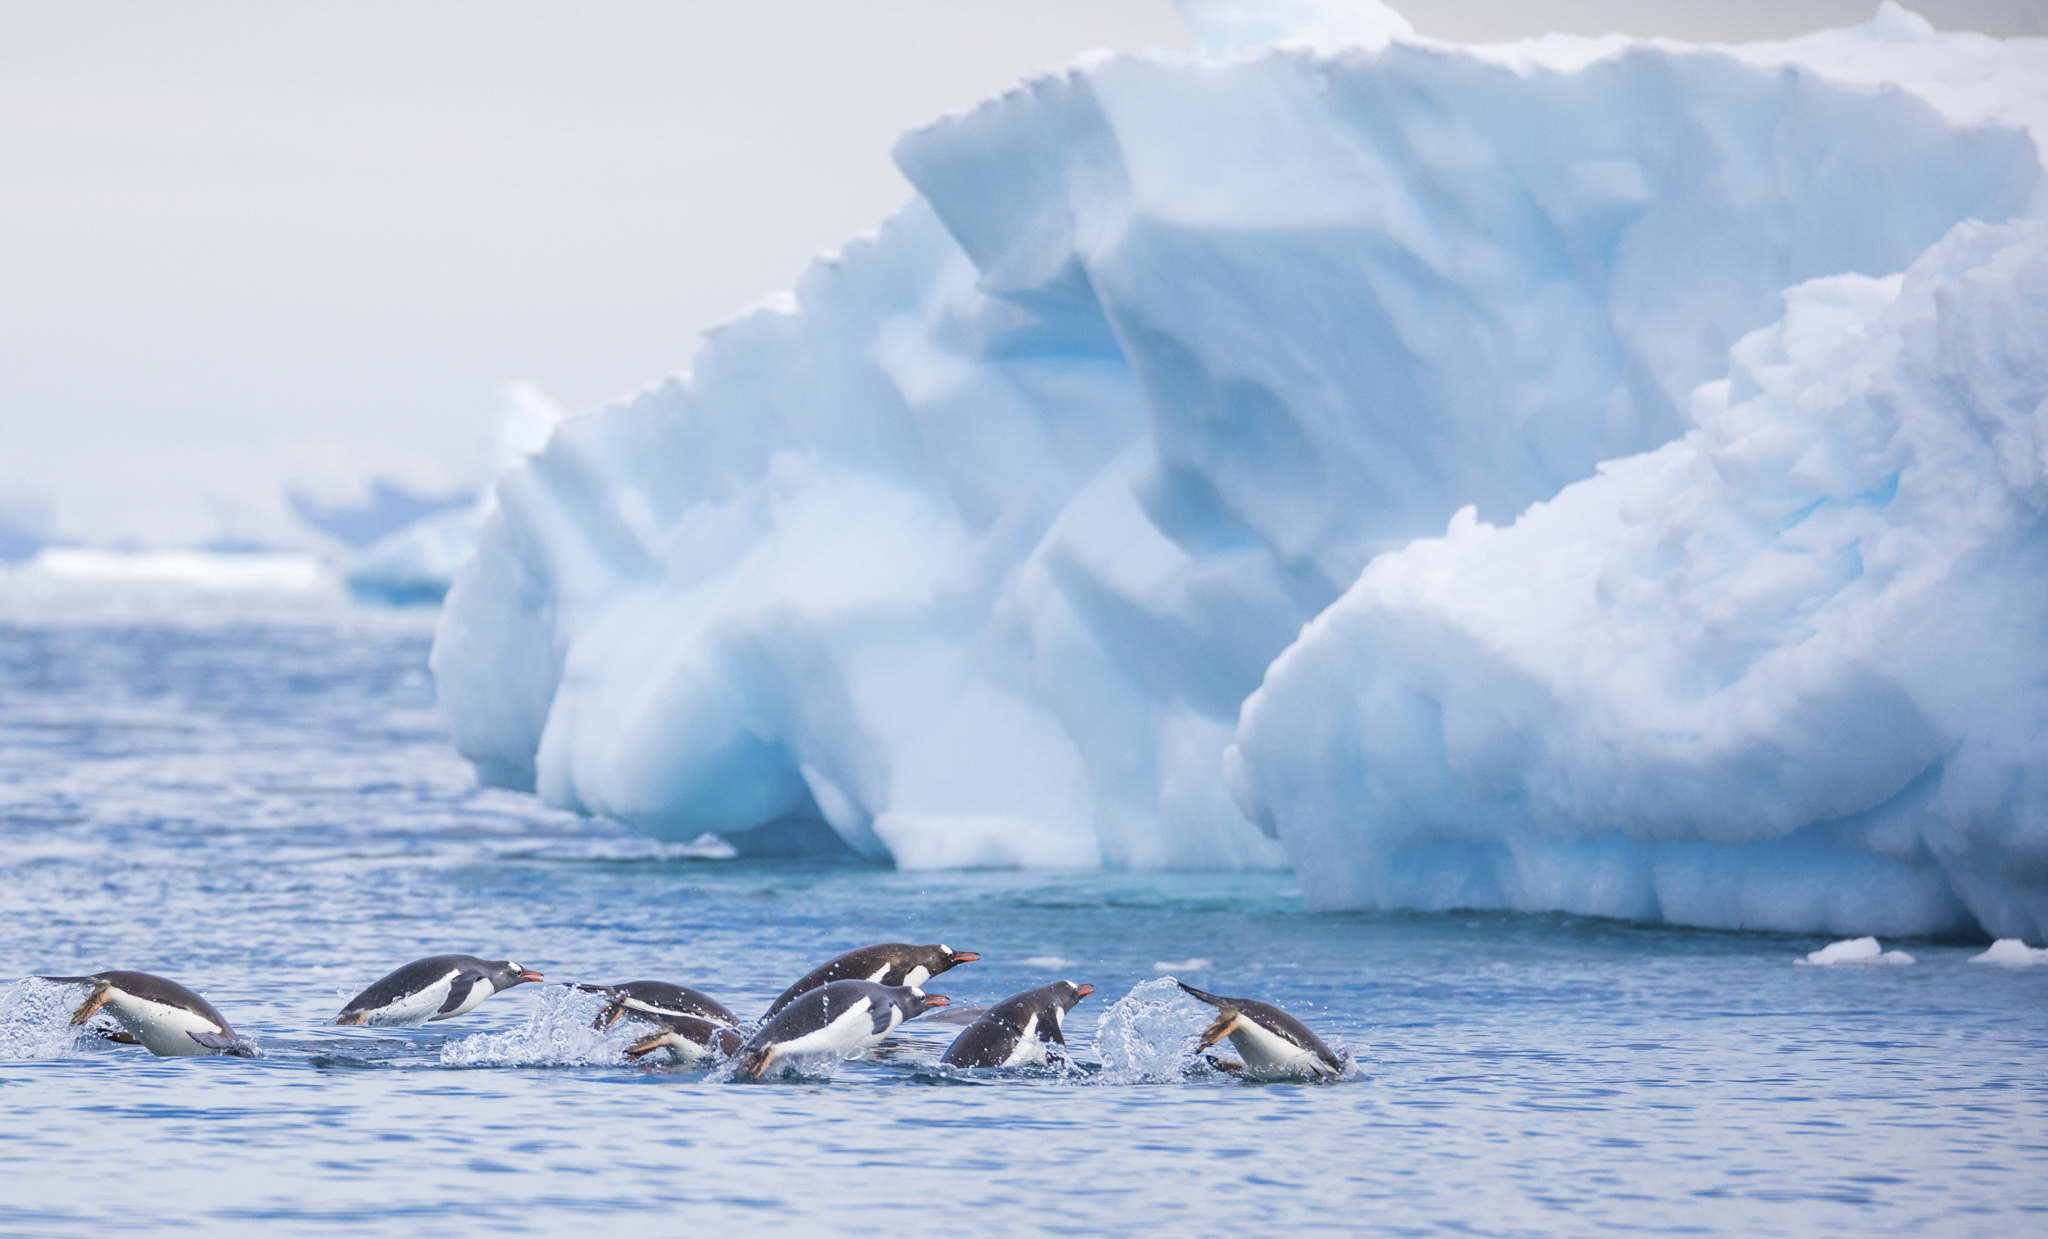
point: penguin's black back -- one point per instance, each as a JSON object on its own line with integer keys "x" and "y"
{"x": 413, "y": 978}
{"x": 668, "y": 997}
{"x": 860, "y": 964}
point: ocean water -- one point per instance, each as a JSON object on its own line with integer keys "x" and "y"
{"x": 253, "y": 794}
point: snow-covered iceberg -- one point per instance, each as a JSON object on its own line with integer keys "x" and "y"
{"x": 1786, "y": 672}
{"x": 969, "y": 551}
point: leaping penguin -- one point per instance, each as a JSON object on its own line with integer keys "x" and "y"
{"x": 439, "y": 987}
{"x": 885, "y": 963}
{"x": 1014, "y": 1031}
{"x": 165, "y": 1017}
{"x": 650, "y": 1000}
{"x": 688, "y": 1039}
{"x": 1275, "y": 1045}
{"x": 838, "y": 1017}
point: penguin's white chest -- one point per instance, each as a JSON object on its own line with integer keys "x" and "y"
{"x": 1029, "y": 1049}
{"x": 162, "y": 1028}
{"x": 849, "y": 1032}
{"x": 1269, "y": 1056}
{"x": 419, "y": 1006}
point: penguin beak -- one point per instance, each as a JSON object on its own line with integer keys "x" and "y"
{"x": 1084, "y": 991}
{"x": 936, "y": 1000}
{"x": 965, "y": 957}
{"x": 529, "y": 975}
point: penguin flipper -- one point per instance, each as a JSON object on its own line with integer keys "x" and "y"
{"x": 1049, "y": 1030}
{"x": 458, "y": 992}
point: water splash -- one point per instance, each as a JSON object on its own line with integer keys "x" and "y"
{"x": 557, "y": 1034}
{"x": 35, "y": 1019}
{"x": 1149, "y": 1035}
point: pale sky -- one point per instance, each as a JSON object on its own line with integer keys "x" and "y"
{"x": 248, "y": 246}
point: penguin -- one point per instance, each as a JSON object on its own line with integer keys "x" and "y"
{"x": 838, "y": 1017}
{"x": 163, "y": 1016}
{"x": 439, "y": 987}
{"x": 650, "y": 1000}
{"x": 1275, "y": 1045}
{"x": 885, "y": 963}
{"x": 1015, "y": 1030}
{"x": 687, "y": 1038}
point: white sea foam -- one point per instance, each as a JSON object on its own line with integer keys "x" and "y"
{"x": 2012, "y": 953}
{"x": 1854, "y": 951}
{"x": 557, "y": 1034}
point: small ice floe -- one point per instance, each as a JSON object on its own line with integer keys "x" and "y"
{"x": 1049, "y": 961}
{"x": 557, "y": 1034}
{"x": 2012, "y": 953}
{"x": 1185, "y": 965}
{"x": 1854, "y": 951}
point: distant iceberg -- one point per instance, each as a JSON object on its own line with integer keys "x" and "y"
{"x": 416, "y": 563}
{"x": 970, "y": 551}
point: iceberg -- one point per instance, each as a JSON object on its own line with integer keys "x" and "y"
{"x": 970, "y": 550}
{"x": 1785, "y": 672}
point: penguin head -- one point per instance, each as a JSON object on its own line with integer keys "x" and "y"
{"x": 1069, "y": 993}
{"x": 914, "y": 1001}
{"x": 936, "y": 959}
{"x": 505, "y": 974}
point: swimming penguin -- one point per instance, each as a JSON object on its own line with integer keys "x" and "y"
{"x": 687, "y": 1038}
{"x": 165, "y": 1017}
{"x": 885, "y": 963}
{"x": 1275, "y": 1045}
{"x": 650, "y": 1000}
{"x": 439, "y": 987}
{"x": 1015, "y": 1030}
{"x": 838, "y": 1017}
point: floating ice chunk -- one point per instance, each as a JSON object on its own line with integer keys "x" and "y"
{"x": 1854, "y": 951}
{"x": 556, "y": 1034}
{"x": 2012, "y": 953}
{"x": 1186, "y": 965}
{"x": 1049, "y": 961}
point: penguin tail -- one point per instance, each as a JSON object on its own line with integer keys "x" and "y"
{"x": 648, "y": 1044}
{"x": 1226, "y": 1019}
{"x": 352, "y": 1018}
{"x": 1205, "y": 996}
{"x": 101, "y": 991}
{"x": 755, "y": 1065}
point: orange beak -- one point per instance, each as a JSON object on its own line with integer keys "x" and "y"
{"x": 1084, "y": 991}
{"x": 936, "y": 1000}
{"x": 965, "y": 957}
{"x": 529, "y": 975}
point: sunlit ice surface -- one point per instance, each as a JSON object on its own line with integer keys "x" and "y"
{"x": 252, "y": 793}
